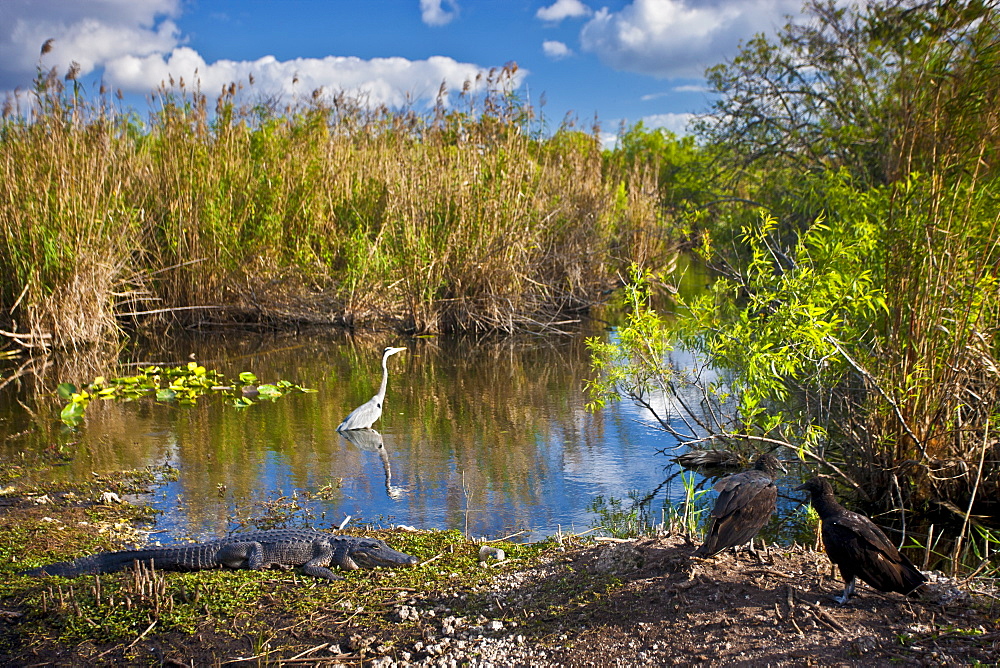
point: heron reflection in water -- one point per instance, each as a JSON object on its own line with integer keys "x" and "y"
{"x": 370, "y": 440}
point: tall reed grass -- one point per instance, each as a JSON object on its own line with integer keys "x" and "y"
{"x": 459, "y": 219}
{"x": 935, "y": 421}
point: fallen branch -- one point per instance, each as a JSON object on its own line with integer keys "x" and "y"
{"x": 824, "y": 616}
{"x": 308, "y": 651}
{"x": 167, "y": 310}
{"x": 769, "y": 572}
{"x": 21, "y": 370}
{"x": 26, "y": 339}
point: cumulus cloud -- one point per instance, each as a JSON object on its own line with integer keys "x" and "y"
{"x": 90, "y": 33}
{"x": 138, "y": 46}
{"x": 609, "y": 140}
{"x": 563, "y": 9}
{"x": 438, "y": 12}
{"x": 556, "y": 50}
{"x": 389, "y": 81}
{"x": 676, "y": 123}
{"x": 678, "y": 38}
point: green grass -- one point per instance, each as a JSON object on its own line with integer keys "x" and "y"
{"x": 119, "y": 606}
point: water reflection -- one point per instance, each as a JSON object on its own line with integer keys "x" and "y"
{"x": 370, "y": 440}
{"x": 486, "y": 437}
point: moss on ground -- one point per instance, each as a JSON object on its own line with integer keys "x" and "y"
{"x": 645, "y": 601}
{"x": 104, "y": 616}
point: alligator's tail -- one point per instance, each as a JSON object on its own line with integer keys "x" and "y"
{"x": 107, "y": 562}
{"x": 176, "y": 558}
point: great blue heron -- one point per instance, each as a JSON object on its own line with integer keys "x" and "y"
{"x": 858, "y": 547}
{"x": 365, "y": 415}
{"x": 746, "y": 501}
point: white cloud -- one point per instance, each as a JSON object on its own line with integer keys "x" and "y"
{"x": 678, "y": 38}
{"x": 438, "y": 12}
{"x": 685, "y": 88}
{"x": 90, "y": 33}
{"x": 556, "y": 50}
{"x": 649, "y": 97}
{"x": 138, "y": 45}
{"x": 691, "y": 88}
{"x": 563, "y": 9}
{"x": 676, "y": 123}
{"x": 389, "y": 81}
{"x": 608, "y": 140}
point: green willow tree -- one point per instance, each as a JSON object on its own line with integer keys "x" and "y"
{"x": 857, "y": 319}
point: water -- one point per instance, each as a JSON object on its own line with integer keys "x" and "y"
{"x": 485, "y": 437}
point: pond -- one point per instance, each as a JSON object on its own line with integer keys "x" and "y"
{"x": 490, "y": 437}
{"x": 486, "y": 437}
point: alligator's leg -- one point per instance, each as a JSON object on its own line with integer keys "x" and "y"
{"x": 318, "y": 571}
{"x": 242, "y": 555}
{"x": 317, "y": 566}
{"x": 341, "y": 556}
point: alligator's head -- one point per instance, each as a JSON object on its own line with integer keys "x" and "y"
{"x": 372, "y": 552}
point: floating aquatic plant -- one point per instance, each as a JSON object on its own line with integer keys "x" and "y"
{"x": 181, "y": 384}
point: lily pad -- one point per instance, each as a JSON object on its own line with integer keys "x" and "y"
{"x": 180, "y": 384}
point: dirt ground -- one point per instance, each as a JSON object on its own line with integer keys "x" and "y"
{"x": 775, "y": 610}
{"x": 633, "y": 603}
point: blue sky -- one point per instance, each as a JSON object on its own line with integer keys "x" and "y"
{"x": 616, "y": 60}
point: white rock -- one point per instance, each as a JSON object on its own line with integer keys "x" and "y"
{"x": 490, "y": 553}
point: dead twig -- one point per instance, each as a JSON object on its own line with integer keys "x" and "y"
{"x": 166, "y": 310}
{"x": 339, "y": 658}
{"x": 824, "y": 616}
{"x": 768, "y": 571}
{"x": 308, "y": 651}
{"x": 432, "y": 559}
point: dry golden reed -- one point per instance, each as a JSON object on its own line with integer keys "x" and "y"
{"x": 461, "y": 219}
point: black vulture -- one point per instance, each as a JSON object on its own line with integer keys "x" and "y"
{"x": 693, "y": 459}
{"x": 858, "y": 547}
{"x": 746, "y": 501}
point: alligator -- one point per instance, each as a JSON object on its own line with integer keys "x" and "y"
{"x": 314, "y": 551}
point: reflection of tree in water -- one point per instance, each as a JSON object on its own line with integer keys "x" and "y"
{"x": 370, "y": 440}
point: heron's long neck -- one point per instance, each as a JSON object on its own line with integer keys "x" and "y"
{"x": 385, "y": 378}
